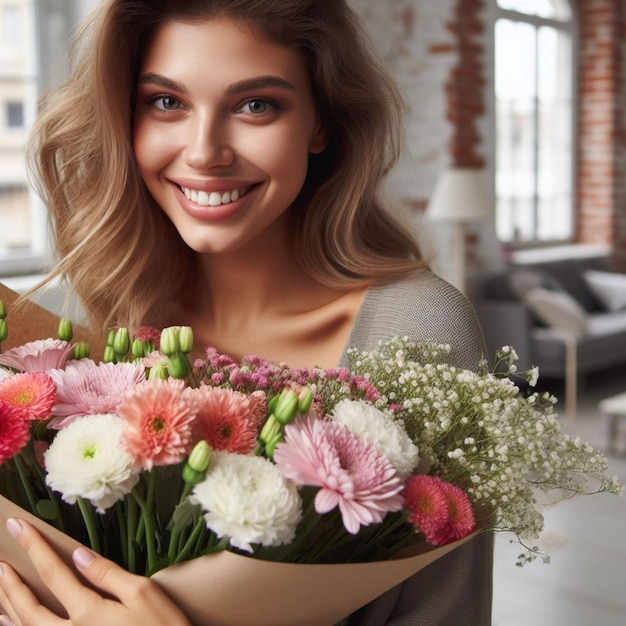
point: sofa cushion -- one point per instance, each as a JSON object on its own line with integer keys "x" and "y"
{"x": 522, "y": 281}
{"x": 611, "y": 323}
{"x": 557, "y": 309}
{"x": 609, "y": 288}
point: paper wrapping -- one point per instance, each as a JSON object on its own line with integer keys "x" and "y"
{"x": 226, "y": 589}
{"x": 222, "y": 589}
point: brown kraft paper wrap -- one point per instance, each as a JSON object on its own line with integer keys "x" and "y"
{"x": 223, "y": 589}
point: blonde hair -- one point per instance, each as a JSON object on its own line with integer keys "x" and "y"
{"x": 116, "y": 247}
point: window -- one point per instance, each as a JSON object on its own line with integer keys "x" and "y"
{"x": 34, "y": 36}
{"x": 534, "y": 120}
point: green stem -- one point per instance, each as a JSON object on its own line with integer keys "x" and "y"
{"x": 148, "y": 524}
{"x": 90, "y": 524}
{"x": 131, "y": 531}
{"x": 195, "y": 533}
{"x": 123, "y": 530}
{"x": 23, "y": 472}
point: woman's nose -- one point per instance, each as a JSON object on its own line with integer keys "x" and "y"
{"x": 208, "y": 144}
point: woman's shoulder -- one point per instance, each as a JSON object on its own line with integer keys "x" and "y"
{"x": 425, "y": 307}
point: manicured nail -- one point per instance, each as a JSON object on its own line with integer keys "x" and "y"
{"x": 83, "y": 558}
{"x": 5, "y": 621}
{"x": 14, "y": 527}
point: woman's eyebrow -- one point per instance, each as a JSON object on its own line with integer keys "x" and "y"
{"x": 241, "y": 86}
{"x": 259, "y": 82}
{"x": 151, "y": 78}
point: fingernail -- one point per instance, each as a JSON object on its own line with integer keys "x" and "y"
{"x": 5, "y": 621}
{"x": 83, "y": 558}
{"x": 1, "y": 574}
{"x": 14, "y": 527}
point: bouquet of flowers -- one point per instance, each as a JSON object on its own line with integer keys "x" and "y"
{"x": 153, "y": 460}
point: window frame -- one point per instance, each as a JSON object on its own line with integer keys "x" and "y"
{"x": 570, "y": 27}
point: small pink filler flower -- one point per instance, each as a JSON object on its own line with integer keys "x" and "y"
{"x": 350, "y": 472}
{"x": 157, "y": 420}
{"x": 32, "y": 394}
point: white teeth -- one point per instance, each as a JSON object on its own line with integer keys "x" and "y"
{"x": 214, "y": 198}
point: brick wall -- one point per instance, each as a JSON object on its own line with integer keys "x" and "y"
{"x": 438, "y": 52}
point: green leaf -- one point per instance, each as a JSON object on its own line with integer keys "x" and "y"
{"x": 46, "y": 509}
{"x": 185, "y": 514}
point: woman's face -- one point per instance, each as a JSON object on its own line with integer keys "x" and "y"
{"x": 224, "y": 124}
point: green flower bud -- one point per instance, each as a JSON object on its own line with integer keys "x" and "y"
{"x": 111, "y": 337}
{"x": 305, "y": 399}
{"x": 65, "y": 330}
{"x": 4, "y": 329}
{"x": 270, "y": 429}
{"x": 3, "y": 310}
{"x": 178, "y": 365}
{"x": 286, "y": 407}
{"x": 109, "y": 355}
{"x": 138, "y": 349}
{"x": 186, "y": 339}
{"x": 81, "y": 350}
{"x": 270, "y": 446}
{"x": 121, "y": 342}
{"x": 159, "y": 371}
{"x": 197, "y": 464}
{"x": 170, "y": 342}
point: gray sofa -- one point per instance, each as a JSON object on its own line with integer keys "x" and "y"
{"x": 555, "y": 320}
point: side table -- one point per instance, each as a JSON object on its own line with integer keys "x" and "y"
{"x": 614, "y": 407}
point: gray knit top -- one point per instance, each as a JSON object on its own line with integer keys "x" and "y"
{"x": 455, "y": 590}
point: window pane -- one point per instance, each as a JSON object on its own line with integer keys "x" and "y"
{"x": 555, "y": 9}
{"x": 515, "y": 126}
{"x": 554, "y": 173}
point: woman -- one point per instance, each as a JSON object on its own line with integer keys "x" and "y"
{"x": 217, "y": 164}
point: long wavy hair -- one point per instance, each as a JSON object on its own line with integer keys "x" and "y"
{"x": 116, "y": 248}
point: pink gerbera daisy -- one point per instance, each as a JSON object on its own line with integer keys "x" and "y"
{"x": 38, "y": 356}
{"x": 350, "y": 472}
{"x": 226, "y": 419}
{"x": 461, "y": 520}
{"x": 427, "y": 504}
{"x": 14, "y": 431}
{"x": 157, "y": 423}
{"x": 32, "y": 394}
{"x": 84, "y": 388}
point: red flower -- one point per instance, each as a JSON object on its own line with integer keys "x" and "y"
{"x": 14, "y": 431}
{"x": 427, "y": 504}
{"x": 439, "y": 510}
{"x": 32, "y": 394}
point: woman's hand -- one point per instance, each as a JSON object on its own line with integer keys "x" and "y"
{"x": 136, "y": 599}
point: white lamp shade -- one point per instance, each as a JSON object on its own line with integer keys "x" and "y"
{"x": 460, "y": 196}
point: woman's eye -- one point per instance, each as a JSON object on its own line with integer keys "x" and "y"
{"x": 258, "y": 107}
{"x": 166, "y": 103}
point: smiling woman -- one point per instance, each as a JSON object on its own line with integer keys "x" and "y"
{"x": 218, "y": 164}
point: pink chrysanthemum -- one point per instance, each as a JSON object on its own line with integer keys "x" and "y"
{"x": 157, "y": 423}
{"x": 32, "y": 394}
{"x": 152, "y": 359}
{"x": 461, "y": 520}
{"x": 84, "y": 388}
{"x": 426, "y": 501}
{"x": 14, "y": 431}
{"x": 228, "y": 420}
{"x": 439, "y": 510}
{"x": 351, "y": 474}
{"x": 38, "y": 356}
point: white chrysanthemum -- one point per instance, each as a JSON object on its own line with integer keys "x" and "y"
{"x": 247, "y": 499}
{"x": 85, "y": 460}
{"x": 388, "y": 437}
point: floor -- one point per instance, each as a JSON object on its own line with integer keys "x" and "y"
{"x": 585, "y": 583}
